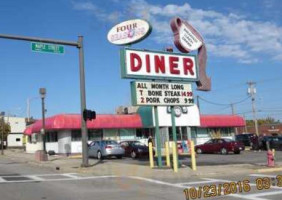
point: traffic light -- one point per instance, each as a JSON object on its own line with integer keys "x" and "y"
{"x": 89, "y": 115}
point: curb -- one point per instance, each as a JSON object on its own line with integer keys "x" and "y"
{"x": 275, "y": 169}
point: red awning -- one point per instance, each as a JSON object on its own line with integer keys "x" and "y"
{"x": 73, "y": 121}
{"x": 214, "y": 121}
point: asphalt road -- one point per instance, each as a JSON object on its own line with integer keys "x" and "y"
{"x": 246, "y": 157}
{"x": 19, "y": 180}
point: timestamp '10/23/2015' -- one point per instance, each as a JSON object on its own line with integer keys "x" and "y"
{"x": 227, "y": 188}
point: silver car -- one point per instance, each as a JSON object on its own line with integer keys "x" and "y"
{"x": 105, "y": 148}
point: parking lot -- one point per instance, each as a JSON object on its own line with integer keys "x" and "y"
{"x": 246, "y": 157}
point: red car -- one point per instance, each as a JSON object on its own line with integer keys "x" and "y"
{"x": 223, "y": 146}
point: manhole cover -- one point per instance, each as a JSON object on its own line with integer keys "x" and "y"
{"x": 16, "y": 178}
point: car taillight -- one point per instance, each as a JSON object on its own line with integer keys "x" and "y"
{"x": 108, "y": 147}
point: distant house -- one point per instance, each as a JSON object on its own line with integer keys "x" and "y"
{"x": 18, "y": 125}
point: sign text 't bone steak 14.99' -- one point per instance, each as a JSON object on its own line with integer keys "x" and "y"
{"x": 161, "y": 93}
{"x": 158, "y": 65}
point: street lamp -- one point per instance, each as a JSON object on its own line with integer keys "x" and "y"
{"x": 2, "y": 114}
{"x": 42, "y": 92}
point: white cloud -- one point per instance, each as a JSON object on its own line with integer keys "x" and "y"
{"x": 96, "y": 11}
{"x": 227, "y": 35}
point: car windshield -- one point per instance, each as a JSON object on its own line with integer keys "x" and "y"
{"x": 228, "y": 140}
{"x": 137, "y": 143}
{"x": 109, "y": 142}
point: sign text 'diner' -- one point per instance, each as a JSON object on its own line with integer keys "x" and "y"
{"x": 160, "y": 65}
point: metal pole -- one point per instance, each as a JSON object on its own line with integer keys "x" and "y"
{"x": 43, "y": 125}
{"x": 255, "y": 116}
{"x": 233, "y": 113}
{"x": 28, "y": 109}
{"x": 157, "y": 132}
{"x": 2, "y": 135}
{"x": 246, "y": 129}
{"x": 84, "y": 135}
{"x": 36, "y": 39}
{"x": 173, "y": 126}
{"x": 79, "y": 45}
{"x": 251, "y": 91}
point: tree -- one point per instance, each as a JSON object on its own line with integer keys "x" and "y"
{"x": 267, "y": 120}
{"x": 5, "y": 128}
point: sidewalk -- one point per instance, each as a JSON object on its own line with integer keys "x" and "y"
{"x": 72, "y": 164}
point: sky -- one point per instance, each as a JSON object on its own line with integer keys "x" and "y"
{"x": 244, "y": 43}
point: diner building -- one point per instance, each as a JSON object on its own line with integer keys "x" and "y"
{"x": 63, "y": 134}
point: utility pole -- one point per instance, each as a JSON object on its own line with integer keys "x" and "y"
{"x": 232, "y": 108}
{"x": 246, "y": 129}
{"x": 252, "y": 92}
{"x": 233, "y": 113}
{"x": 78, "y": 44}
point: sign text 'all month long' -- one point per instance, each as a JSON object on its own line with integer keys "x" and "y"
{"x": 152, "y": 93}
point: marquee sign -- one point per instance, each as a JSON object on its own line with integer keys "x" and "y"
{"x": 129, "y": 32}
{"x": 161, "y": 94}
{"x": 158, "y": 65}
{"x": 187, "y": 39}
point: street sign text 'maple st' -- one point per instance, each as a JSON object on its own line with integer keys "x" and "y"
{"x": 47, "y": 48}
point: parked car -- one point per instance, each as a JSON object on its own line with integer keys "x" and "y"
{"x": 105, "y": 148}
{"x": 275, "y": 142}
{"x": 223, "y": 146}
{"x": 246, "y": 139}
{"x": 135, "y": 149}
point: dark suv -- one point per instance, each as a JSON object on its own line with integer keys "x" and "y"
{"x": 275, "y": 142}
{"x": 246, "y": 139}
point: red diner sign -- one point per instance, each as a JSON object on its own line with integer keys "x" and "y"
{"x": 158, "y": 65}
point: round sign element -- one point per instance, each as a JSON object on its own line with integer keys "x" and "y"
{"x": 129, "y": 32}
{"x": 177, "y": 111}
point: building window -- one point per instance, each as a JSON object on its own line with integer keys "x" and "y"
{"x": 181, "y": 133}
{"x": 18, "y": 139}
{"x": 143, "y": 133}
{"x": 76, "y": 135}
{"x": 95, "y": 134}
{"x": 52, "y": 136}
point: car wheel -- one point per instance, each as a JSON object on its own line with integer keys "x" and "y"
{"x": 223, "y": 151}
{"x": 119, "y": 157}
{"x": 99, "y": 155}
{"x": 237, "y": 152}
{"x": 199, "y": 151}
{"x": 133, "y": 154}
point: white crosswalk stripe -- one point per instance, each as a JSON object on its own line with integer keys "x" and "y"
{"x": 255, "y": 194}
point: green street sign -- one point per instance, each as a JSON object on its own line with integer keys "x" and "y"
{"x": 47, "y": 48}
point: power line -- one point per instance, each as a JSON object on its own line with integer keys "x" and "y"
{"x": 223, "y": 104}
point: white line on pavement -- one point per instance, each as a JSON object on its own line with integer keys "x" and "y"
{"x": 24, "y": 175}
{"x": 195, "y": 183}
{"x": 60, "y": 179}
{"x": 263, "y": 175}
{"x": 157, "y": 181}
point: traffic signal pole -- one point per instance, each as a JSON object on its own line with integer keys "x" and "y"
{"x": 79, "y": 45}
{"x": 84, "y": 132}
